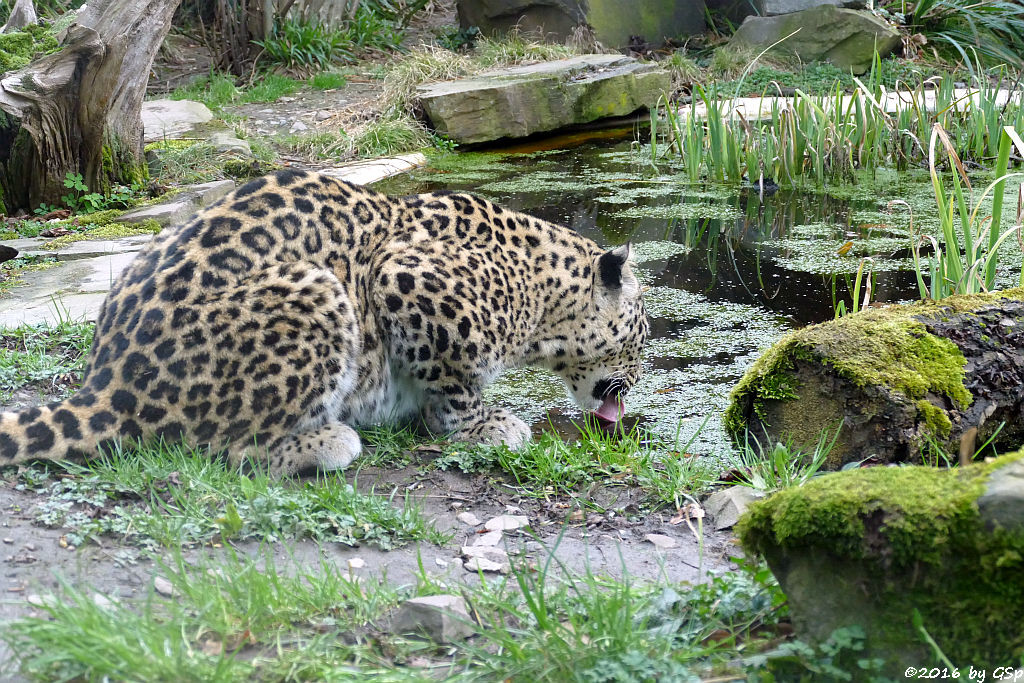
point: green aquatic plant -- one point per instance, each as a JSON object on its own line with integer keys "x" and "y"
{"x": 828, "y": 137}
{"x": 966, "y": 259}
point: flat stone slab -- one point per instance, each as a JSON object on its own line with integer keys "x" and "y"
{"x": 372, "y": 170}
{"x": 182, "y": 205}
{"x": 73, "y": 290}
{"x": 172, "y": 119}
{"x": 894, "y": 101}
{"x": 537, "y": 98}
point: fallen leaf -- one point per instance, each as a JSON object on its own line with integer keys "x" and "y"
{"x": 845, "y": 249}
{"x": 667, "y": 390}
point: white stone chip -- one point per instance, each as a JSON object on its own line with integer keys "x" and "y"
{"x": 507, "y": 523}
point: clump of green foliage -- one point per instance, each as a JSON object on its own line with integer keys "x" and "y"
{"x": 18, "y": 48}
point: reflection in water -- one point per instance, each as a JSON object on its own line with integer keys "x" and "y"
{"x": 728, "y": 271}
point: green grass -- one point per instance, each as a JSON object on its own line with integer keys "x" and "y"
{"x": 234, "y": 618}
{"x": 45, "y": 358}
{"x": 172, "y": 495}
{"x": 327, "y": 80}
{"x": 270, "y": 87}
{"x": 319, "y": 145}
{"x": 552, "y": 466}
{"x": 216, "y": 91}
{"x": 230, "y": 619}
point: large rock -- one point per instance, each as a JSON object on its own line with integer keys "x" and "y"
{"x": 894, "y": 380}
{"x": 172, "y": 119}
{"x": 847, "y": 38}
{"x": 772, "y": 8}
{"x": 870, "y": 547}
{"x": 442, "y": 618}
{"x": 614, "y": 22}
{"x": 536, "y": 98}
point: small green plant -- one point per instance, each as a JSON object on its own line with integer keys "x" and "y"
{"x": 856, "y": 303}
{"x": 304, "y": 46}
{"x": 456, "y": 38}
{"x": 327, "y": 80}
{"x": 270, "y": 88}
{"x": 81, "y": 200}
{"x": 779, "y": 466}
{"x": 965, "y": 260}
{"x": 216, "y": 91}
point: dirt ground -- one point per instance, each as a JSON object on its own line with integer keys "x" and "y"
{"x": 34, "y": 559}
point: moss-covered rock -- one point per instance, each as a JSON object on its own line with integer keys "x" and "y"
{"x": 894, "y": 378}
{"x": 871, "y": 546}
{"x": 519, "y": 101}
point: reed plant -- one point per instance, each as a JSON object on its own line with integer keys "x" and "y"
{"x": 966, "y": 253}
{"x": 826, "y": 138}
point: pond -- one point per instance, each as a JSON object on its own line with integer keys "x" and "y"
{"x": 728, "y": 270}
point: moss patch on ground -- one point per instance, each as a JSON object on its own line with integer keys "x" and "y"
{"x": 887, "y": 347}
{"x": 107, "y": 231}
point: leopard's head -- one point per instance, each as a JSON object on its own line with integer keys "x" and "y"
{"x": 603, "y": 351}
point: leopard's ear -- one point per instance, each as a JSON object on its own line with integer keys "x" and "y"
{"x": 611, "y": 266}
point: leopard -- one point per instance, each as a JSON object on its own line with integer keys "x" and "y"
{"x": 298, "y": 308}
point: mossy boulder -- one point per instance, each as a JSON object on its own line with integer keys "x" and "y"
{"x": 537, "y": 98}
{"x": 847, "y": 38}
{"x": 870, "y": 547}
{"x": 893, "y": 380}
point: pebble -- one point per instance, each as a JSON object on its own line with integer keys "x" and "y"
{"x": 468, "y": 518}
{"x": 163, "y": 586}
{"x": 661, "y": 541}
{"x": 507, "y": 523}
{"x": 491, "y": 538}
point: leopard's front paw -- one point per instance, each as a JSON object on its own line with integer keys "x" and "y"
{"x": 497, "y": 426}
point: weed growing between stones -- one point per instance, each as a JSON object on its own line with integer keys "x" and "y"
{"x": 770, "y": 468}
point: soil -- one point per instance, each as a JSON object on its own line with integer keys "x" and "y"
{"x": 34, "y": 559}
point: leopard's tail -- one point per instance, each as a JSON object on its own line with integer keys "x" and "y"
{"x": 72, "y": 428}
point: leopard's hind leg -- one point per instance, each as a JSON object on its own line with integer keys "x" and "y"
{"x": 266, "y": 368}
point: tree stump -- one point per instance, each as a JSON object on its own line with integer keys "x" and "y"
{"x": 894, "y": 382}
{"x": 78, "y": 111}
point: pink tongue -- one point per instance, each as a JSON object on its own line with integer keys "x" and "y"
{"x": 611, "y": 410}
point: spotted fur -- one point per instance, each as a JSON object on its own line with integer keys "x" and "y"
{"x": 300, "y": 306}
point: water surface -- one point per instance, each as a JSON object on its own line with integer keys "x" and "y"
{"x": 728, "y": 270}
